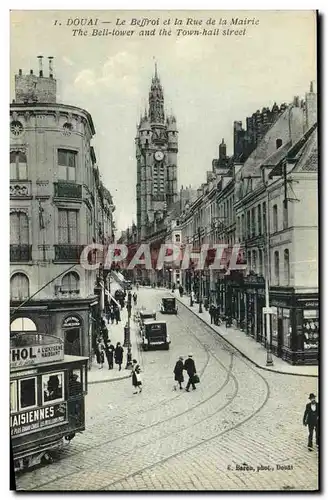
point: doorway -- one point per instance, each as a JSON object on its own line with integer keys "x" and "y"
{"x": 72, "y": 345}
{"x": 280, "y": 337}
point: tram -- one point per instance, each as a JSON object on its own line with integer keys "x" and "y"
{"x": 47, "y": 391}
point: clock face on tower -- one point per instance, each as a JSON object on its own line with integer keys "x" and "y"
{"x": 159, "y": 155}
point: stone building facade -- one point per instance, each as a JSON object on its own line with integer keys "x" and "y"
{"x": 58, "y": 205}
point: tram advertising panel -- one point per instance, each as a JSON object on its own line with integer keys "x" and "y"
{"x": 30, "y": 421}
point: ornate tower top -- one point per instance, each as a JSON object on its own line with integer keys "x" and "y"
{"x": 156, "y": 100}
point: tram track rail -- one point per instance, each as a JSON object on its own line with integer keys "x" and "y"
{"x": 229, "y": 376}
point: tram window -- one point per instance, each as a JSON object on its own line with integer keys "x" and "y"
{"x": 27, "y": 393}
{"x": 74, "y": 382}
{"x": 13, "y": 396}
{"x": 52, "y": 387}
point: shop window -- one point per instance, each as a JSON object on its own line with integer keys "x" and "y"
{"x": 67, "y": 165}
{"x": 19, "y": 287}
{"x": 286, "y": 328}
{"x": 13, "y": 396}
{"x": 275, "y": 218}
{"x": 311, "y": 329}
{"x": 276, "y": 268}
{"x": 286, "y": 267}
{"x": 27, "y": 393}
{"x": 53, "y": 387}
{"x": 18, "y": 166}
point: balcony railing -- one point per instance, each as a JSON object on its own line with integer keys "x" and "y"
{"x": 68, "y": 253}
{"x": 68, "y": 190}
{"x": 20, "y": 253}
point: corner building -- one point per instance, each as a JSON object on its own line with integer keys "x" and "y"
{"x": 58, "y": 205}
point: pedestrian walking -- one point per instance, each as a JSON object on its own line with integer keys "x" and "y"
{"x": 178, "y": 373}
{"x": 181, "y": 290}
{"x": 118, "y": 354}
{"x": 136, "y": 378}
{"x": 100, "y": 353}
{"x": 173, "y": 288}
{"x": 109, "y": 351}
{"x": 311, "y": 419}
{"x": 190, "y": 368}
{"x": 135, "y": 298}
{"x": 212, "y": 312}
{"x": 117, "y": 314}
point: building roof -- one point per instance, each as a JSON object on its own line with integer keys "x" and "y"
{"x": 308, "y": 155}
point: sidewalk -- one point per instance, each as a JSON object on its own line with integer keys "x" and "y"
{"x": 248, "y": 347}
{"x": 115, "y": 334}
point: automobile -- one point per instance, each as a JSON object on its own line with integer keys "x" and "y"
{"x": 147, "y": 314}
{"x": 154, "y": 335}
{"x": 169, "y": 306}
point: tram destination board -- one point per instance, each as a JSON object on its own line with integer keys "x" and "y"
{"x": 30, "y": 421}
{"x": 34, "y": 355}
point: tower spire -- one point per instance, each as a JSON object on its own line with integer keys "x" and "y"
{"x": 156, "y": 100}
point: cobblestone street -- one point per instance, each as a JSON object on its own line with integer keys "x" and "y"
{"x": 240, "y": 417}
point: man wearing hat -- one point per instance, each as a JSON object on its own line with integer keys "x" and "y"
{"x": 190, "y": 368}
{"x": 311, "y": 419}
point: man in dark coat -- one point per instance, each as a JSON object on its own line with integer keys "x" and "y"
{"x": 212, "y": 312}
{"x": 311, "y": 419}
{"x": 119, "y": 355}
{"x": 109, "y": 351}
{"x": 190, "y": 368}
{"x": 178, "y": 372}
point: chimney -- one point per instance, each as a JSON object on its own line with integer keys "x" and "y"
{"x": 40, "y": 65}
{"x": 311, "y": 87}
{"x": 20, "y": 72}
{"x": 51, "y": 71}
{"x": 31, "y": 71}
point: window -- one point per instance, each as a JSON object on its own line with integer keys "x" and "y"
{"x": 13, "y": 396}
{"x": 22, "y": 325}
{"x": 67, "y": 165}
{"x": 27, "y": 393}
{"x": 261, "y": 262}
{"x": 254, "y": 261}
{"x": 243, "y": 231}
{"x": 285, "y": 214}
{"x": 248, "y": 215}
{"x": 75, "y": 383}
{"x": 264, "y": 218}
{"x": 19, "y": 287}
{"x": 276, "y": 267}
{"x": 286, "y": 267}
{"x": 52, "y": 387}
{"x": 70, "y": 282}
{"x": 67, "y": 226}
{"x": 249, "y": 260}
{"x": 253, "y": 223}
{"x": 177, "y": 238}
{"x": 275, "y": 218}
{"x": 18, "y": 166}
{"x": 259, "y": 219}
{"x": 19, "y": 230}
{"x": 238, "y": 229}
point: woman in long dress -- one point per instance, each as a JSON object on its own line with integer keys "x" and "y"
{"x": 136, "y": 380}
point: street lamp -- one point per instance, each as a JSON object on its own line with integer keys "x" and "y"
{"x": 127, "y": 336}
{"x": 200, "y": 310}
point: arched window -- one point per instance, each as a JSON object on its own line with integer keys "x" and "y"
{"x": 19, "y": 287}
{"x": 286, "y": 267}
{"x": 276, "y": 267}
{"x": 19, "y": 231}
{"x": 22, "y": 325}
{"x": 70, "y": 283}
{"x": 18, "y": 166}
{"x": 275, "y": 218}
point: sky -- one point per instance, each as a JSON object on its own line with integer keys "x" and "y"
{"x": 209, "y": 82}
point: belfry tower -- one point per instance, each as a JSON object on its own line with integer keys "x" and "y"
{"x": 156, "y": 152}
